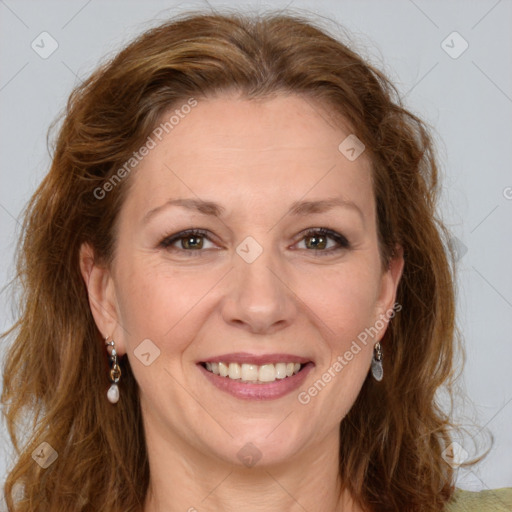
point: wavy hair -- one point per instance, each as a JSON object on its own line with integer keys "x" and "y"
{"x": 56, "y": 370}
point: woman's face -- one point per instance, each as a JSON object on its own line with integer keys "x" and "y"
{"x": 258, "y": 287}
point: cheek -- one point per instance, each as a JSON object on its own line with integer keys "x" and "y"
{"x": 155, "y": 301}
{"x": 347, "y": 308}
{"x": 348, "y": 312}
{"x": 345, "y": 301}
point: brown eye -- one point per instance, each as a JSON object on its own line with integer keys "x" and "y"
{"x": 192, "y": 242}
{"x": 324, "y": 241}
{"x": 186, "y": 241}
{"x": 316, "y": 241}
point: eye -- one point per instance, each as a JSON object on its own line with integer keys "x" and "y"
{"x": 321, "y": 241}
{"x": 186, "y": 241}
{"x": 318, "y": 239}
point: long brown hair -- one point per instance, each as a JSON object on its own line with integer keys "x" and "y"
{"x": 56, "y": 372}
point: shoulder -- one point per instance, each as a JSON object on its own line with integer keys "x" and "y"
{"x": 495, "y": 500}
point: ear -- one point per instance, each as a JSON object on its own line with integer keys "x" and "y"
{"x": 102, "y": 297}
{"x": 388, "y": 288}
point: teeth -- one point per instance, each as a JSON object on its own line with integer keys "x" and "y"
{"x": 249, "y": 372}
{"x": 254, "y": 373}
{"x": 235, "y": 372}
{"x": 280, "y": 370}
{"x": 223, "y": 370}
{"x": 267, "y": 373}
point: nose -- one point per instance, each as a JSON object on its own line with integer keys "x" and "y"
{"x": 259, "y": 299}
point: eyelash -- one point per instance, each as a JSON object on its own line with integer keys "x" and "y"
{"x": 341, "y": 240}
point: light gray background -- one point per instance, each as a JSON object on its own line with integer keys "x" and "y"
{"x": 468, "y": 101}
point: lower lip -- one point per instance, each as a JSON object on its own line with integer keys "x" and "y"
{"x": 253, "y": 391}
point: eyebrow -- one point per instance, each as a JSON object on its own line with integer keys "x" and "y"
{"x": 298, "y": 208}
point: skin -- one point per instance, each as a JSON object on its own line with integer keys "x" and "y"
{"x": 255, "y": 158}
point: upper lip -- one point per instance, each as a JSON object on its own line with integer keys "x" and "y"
{"x": 261, "y": 359}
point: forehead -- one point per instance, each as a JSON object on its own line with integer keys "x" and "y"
{"x": 277, "y": 149}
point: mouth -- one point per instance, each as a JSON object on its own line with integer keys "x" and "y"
{"x": 260, "y": 374}
{"x": 256, "y": 377}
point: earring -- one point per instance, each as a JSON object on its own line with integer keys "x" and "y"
{"x": 115, "y": 372}
{"x": 377, "y": 370}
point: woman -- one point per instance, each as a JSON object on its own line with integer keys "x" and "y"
{"x": 237, "y": 294}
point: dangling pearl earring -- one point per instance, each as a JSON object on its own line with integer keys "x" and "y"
{"x": 115, "y": 372}
{"x": 377, "y": 370}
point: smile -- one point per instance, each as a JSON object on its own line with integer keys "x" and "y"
{"x": 249, "y": 377}
{"x": 254, "y": 373}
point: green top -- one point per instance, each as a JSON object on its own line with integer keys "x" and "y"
{"x": 496, "y": 500}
